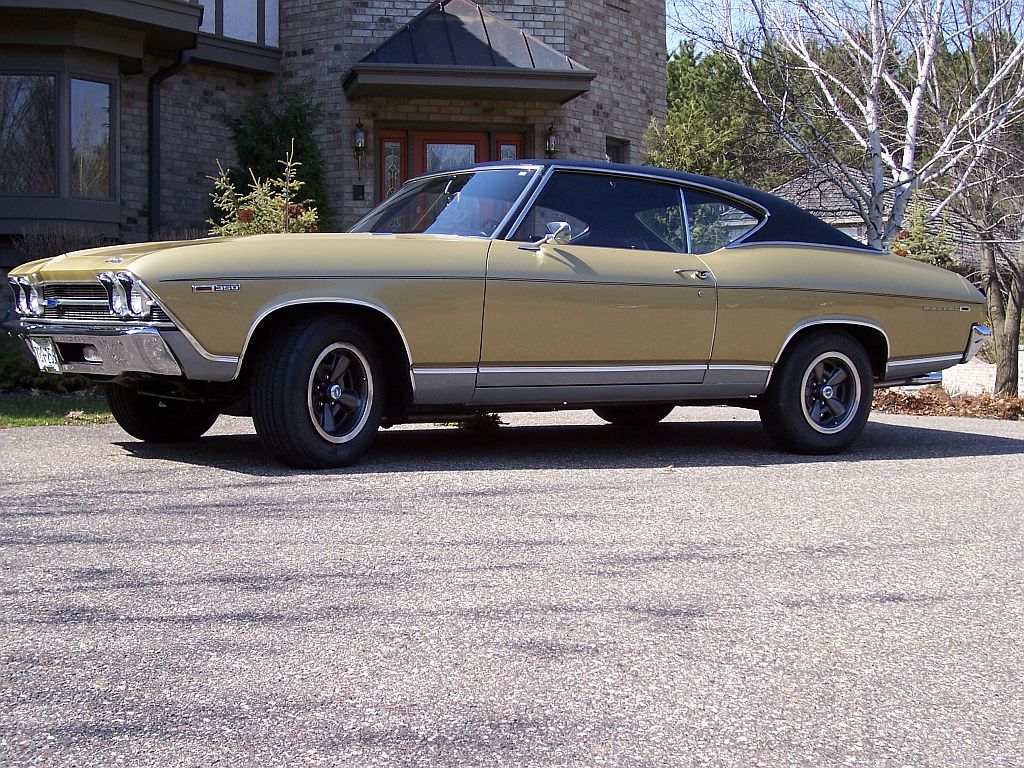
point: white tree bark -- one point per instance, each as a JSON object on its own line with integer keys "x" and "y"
{"x": 871, "y": 70}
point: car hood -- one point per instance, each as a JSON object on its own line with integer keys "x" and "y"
{"x": 266, "y": 256}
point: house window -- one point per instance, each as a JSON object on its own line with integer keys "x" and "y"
{"x": 254, "y": 21}
{"x": 90, "y": 139}
{"x": 28, "y": 135}
{"x": 58, "y": 140}
{"x": 393, "y": 161}
{"x": 616, "y": 150}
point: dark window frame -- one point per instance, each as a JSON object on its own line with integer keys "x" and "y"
{"x": 18, "y": 210}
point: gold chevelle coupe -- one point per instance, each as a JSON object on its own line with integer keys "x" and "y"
{"x": 536, "y": 285}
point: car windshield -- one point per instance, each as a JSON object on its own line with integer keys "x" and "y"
{"x": 471, "y": 204}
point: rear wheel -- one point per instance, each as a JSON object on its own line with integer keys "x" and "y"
{"x": 156, "y": 419}
{"x": 318, "y": 393}
{"x": 819, "y": 399}
{"x": 634, "y": 415}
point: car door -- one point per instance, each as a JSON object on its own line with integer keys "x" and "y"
{"x": 620, "y": 303}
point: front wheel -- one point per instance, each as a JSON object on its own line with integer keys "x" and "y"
{"x": 158, "y": 420}
{"x": 318, "y": 393}
{"x": 819, "y": 398}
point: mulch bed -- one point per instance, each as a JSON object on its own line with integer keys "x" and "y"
{"x": 935, "y": 401}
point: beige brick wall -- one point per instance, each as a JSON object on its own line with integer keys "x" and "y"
{"x": 194, "y": 137}
{"x": 623, "y": 40}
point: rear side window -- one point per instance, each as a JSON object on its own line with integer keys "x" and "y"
{"x": 714, "y": 222}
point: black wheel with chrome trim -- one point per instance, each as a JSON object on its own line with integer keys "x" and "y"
{"x": 317, "y": 392}
{"x": 819, "y": 398}
{"x": 157, "y": 419}
{"x": 340, "y": 393}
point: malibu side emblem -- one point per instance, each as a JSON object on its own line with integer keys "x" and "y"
{"x": 218, "y": 288}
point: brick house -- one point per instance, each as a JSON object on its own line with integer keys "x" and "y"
{"x": 111, "y": 110}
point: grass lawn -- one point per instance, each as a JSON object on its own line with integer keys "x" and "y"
{"x": 52, "y": 410}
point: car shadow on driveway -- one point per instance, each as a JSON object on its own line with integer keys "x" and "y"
{"x": 677, "y": 444}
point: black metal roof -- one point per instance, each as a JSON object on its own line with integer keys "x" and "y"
{"x": 457, "y": 44}
{"x": 787, "y": 222}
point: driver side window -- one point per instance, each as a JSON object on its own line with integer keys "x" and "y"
{"x": 608, "y": 211}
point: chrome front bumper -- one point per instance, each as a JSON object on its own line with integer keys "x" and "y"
{"x": 105, "y": 351}
{"x": 979, "y": 335}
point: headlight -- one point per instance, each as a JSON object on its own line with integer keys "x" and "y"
{"x": 19, "y": 295}
{"x": 127, "y": 295}
{"x": 32, "y": 301}
{"x": 26, "y": 305}
{"x": 138, "y": 300}
{"x": 116, "y": 295}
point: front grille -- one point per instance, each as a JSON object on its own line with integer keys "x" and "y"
{"x": 75, "y": 291}
{"x": 85, "y": 301}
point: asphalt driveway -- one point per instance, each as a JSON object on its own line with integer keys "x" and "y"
{"x": 559, "y": 594}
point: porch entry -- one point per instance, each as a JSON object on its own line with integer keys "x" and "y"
{"x": 408, "y": 153}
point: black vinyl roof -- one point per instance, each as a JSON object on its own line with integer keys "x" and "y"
{"x": 787, "y": 223}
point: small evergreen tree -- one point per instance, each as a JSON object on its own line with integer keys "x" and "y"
{"x": 269, "y": 206}
{"x": 922, "y": 240}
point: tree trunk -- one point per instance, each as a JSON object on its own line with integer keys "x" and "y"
{"x": 1007, "y": 342}
{"x": 1004, "y": 311}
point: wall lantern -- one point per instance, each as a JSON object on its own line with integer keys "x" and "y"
{"x": 551, "y": 143}
{"x": 359, "y": 145}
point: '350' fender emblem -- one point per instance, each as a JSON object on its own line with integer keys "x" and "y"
{"x": 216, "y": 288}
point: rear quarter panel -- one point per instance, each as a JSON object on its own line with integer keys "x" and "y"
{"x": 767, "y": 292}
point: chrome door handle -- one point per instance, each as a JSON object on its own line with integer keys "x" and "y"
{"x": 693, "y": 274}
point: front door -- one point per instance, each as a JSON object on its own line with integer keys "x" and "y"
{"x": 621, "y": 304}
{"x": 406, "y": 153}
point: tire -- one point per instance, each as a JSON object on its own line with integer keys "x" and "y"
{"x": 634, "y": 415}
{"x": 158, "y": 420}
{"x": 819, "y": 398}
{"x": 318, "y": 393}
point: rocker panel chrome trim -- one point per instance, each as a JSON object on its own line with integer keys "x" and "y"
{"x": 580, "y": 396}
{"x": 923, "y": 361}
{"x": 588, "y": 375}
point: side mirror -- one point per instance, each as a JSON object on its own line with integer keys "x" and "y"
{"x": 559, "y": 233}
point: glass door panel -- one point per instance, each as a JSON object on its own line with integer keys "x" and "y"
{"x": 448, "y": 157}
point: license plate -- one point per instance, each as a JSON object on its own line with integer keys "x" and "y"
{"x": 46, "y": 354}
